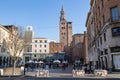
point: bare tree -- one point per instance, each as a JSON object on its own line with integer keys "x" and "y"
{"x": 15, "y": 45}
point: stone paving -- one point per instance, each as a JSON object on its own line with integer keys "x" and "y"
{"x": 114, "y": 75}
{"x": 67, "y": 73}
{"x": 37, "y": 78}
{"x": 56, "y": 72}
{"x": 59, "y": 74}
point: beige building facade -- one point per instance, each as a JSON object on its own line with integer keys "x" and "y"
{"x": 5, "y": 33}
{"x": 39, "y": 49}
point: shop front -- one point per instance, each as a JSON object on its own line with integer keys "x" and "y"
{"x": 116, "y": 61}
{"x": 115, "y": 52}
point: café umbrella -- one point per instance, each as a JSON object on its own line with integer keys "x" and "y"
{"x": 40, "y": 62}
{"x": 30, "y": 61}
{"x": 56, "y": 61}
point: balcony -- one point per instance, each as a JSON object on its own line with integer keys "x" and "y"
{"x": 110, "y": 21}
{"x": 114, "y": 21}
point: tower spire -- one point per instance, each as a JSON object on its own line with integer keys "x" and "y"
{"x": 62, "y": 17}
{"x": 62, "y": 8}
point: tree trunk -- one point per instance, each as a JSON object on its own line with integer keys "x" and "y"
{"x": 14, "y": 66}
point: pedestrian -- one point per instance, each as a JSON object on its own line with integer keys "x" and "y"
{"x": 74, "y": 65}
{"x": 50, "y": 65}
{"x": 47, "y": 67}
{"x": 85, "y": 69}
{"x": 63, "y": 66}
{"x": 92, "y": 68}
{"x": 88, "y": 69}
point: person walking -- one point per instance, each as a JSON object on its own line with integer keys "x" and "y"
{"x": 92, "y": 68}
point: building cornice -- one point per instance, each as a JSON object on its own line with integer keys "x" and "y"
{"x": 4, "y": 28}
{"x": 89, "y": 13}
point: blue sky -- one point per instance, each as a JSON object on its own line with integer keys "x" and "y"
{"x": 43, "y": 15}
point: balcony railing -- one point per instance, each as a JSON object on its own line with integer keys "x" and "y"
{"x": 112, "y": 21}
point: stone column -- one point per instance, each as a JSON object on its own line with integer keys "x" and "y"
{"x": 100, "y": 62}
{"x": 104, "y": 62}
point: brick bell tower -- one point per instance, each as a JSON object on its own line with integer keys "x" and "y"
{"x": 65, "y": 29}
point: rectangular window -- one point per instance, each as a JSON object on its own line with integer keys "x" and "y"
{"x": 104, "y": 37}
{"x": 103, "y": 20}
{"x": 45, "y": 41}
{"x": 63, "y": 27}
{"x": 114, "y": 14}
{"x": 102, "y": 3}
{"x": 63, "y": 33}
{"x": 95, "y": 44}
{"x": 44, "y": 45}
{"x": 101, "y": 52}
{"x": 35, "y": 50}
{"x": 116, "y": 31}
{"x": 100, "y": 25}
{"x": 40, "y": 51}
{"x": 97, "y": 29}
{"x": 70, "y": 27}
{"x": 62, "y": 23}
{"x": 35, "y": 45}
{"x": 45, "y": 51}
{"x": 35, "y": 41}
{"x": 99, "y": 11}
{"x": 40, "y": 45}
{"x": 40, "y": 41}
{"x": 100, "y": 40}
{"x": 28, "y": 49}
